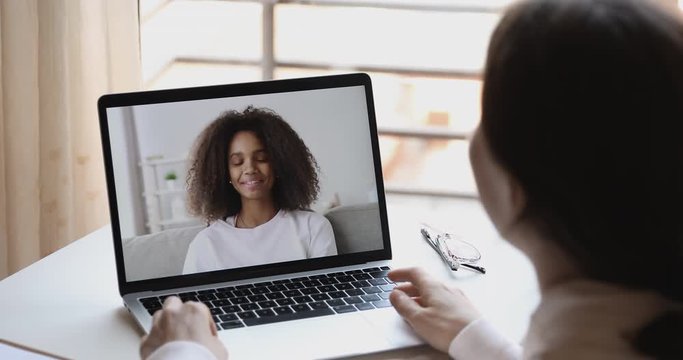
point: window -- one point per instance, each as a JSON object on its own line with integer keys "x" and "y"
{"x": 425, "y": 59}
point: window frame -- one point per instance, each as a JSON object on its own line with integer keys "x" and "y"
{"x": 269, "y": 64}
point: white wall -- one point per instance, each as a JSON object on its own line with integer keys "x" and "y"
{"x": 121, "y": 159}
{"x": 332, "y": 122}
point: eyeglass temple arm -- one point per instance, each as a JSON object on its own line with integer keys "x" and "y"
{"x": 480, "y": 269}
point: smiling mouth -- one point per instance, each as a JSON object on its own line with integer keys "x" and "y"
{"x": 252, "y": 182}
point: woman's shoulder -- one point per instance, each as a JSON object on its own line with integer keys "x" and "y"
{"x": 594, "y": 316}
{"x": 217, "y": 227}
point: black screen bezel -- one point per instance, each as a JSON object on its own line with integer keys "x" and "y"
{"x": 232, "y": 90}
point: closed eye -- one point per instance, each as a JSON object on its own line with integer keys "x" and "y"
{"x": 236, "y": 160}
{"x": 261, "y": 155}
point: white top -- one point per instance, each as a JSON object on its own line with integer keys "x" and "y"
{"x": 289, "y": 235}
{"x": 580, "y": 319}
{"x": 181, "y": 350}
{"x": 480, "y": 340}
{"x": 598, "y": 321}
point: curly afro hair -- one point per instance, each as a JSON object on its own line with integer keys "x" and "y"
{"x": 210, "y": 195}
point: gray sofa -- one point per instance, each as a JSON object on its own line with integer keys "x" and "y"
{"x": 356, "y": 227}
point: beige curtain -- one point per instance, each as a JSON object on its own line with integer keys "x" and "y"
{"x": 56, "y": 58}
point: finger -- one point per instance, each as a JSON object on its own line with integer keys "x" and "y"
{"x": 199, "y": 308}
{"x": 204, "y": 311}
{"x": 156, "y": 317}
{"x": 421, "y": 301}
{"x": 408, "y": 288}
{"x": 417, "y": 276}
{"x": 214, "y": 327}
{"x": 404, "y": 305}
{"x": 172, "y": 302}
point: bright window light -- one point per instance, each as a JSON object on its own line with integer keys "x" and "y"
{"x": 425, "y": 86}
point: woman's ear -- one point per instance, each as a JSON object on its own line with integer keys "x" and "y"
{"x": 501, "y": 195}
{"x": 518, "y": 197}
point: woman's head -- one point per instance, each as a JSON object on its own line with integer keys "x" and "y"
{"x": 583, "y": 107}
{"x": 250, "y": 155}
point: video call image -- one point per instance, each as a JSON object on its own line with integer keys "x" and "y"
{"x": 192, "y": 177}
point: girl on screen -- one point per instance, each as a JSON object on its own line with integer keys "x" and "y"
{"x": 252, "y": 180}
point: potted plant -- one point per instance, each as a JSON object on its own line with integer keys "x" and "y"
{"x": 170, "y": 180}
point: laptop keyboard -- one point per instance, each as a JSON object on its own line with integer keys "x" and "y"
{"x": 290, "y": 299}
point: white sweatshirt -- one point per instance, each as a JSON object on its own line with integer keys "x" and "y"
{"x": 289, "y": 235}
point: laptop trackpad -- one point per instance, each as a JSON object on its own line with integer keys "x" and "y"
{"x": 393, "y": 327}
{"x": 324, "y": 337}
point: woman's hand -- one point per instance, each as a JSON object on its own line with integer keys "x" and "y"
{"x": 436, "y": 311}
{"x": 190, "y": 321}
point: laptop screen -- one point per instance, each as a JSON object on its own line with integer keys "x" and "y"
{"x": 241, "y": 180}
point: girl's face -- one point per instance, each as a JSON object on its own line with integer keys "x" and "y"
{"x": 251, "y": 173}
{"x": 501, "y": 197}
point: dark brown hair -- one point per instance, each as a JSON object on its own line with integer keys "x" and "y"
{"x": 210, "y": 194}
{"x": 583, "y": 105}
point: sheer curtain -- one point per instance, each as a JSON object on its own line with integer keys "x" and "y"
{"x": 56, "y": 58}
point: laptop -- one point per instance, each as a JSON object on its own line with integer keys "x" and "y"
{"x": 282, "y": 299}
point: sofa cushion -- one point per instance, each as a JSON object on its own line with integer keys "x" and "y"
{"x": 356, "y": 227}
{"x": 158, "y": 255}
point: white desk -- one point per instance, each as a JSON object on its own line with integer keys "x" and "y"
{"x": 68, "y": 303}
